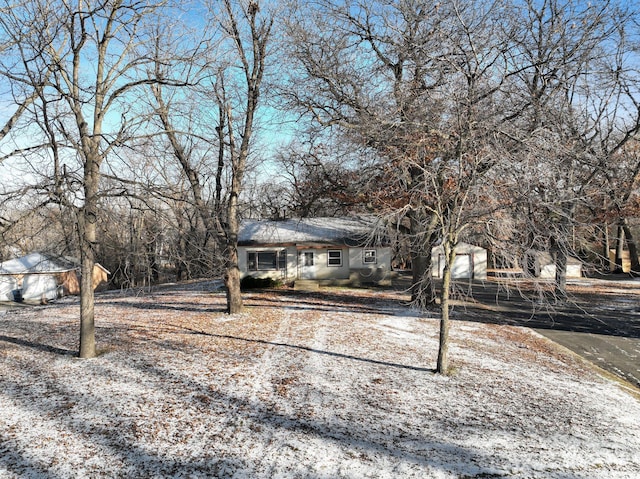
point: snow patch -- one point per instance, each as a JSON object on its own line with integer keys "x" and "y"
{"x": 298, "y": 388}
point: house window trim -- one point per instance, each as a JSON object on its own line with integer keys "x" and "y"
{"x": 374, "y": 256}
{"x": 280, "y": 260}
{"x": 329, "y": 258}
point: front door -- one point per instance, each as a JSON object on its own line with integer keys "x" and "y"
{"x": 306, "y": 265}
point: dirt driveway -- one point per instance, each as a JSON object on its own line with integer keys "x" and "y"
{"x": 601, "y": 322}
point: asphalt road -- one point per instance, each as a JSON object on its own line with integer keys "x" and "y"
{"x": 600, "y": 321}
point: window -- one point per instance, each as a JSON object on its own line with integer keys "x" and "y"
{"x": 334, "y": 257}
{"x": 267, "y": 260}
{"x": 251, "y": 261}
{"x": 307, "y": 258}
{"x": 369, "y": 256}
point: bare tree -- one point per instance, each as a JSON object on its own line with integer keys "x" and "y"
{"x": 445, "y": 94}
{"x": 249, "y": 31}
{"x": 315, "y": 178}
{"x": 370, "y": 71}
{"x": 232, "y": 65}
{"x": 23, "y": 89}
{"x": 423, "y": 97}
{"x": 87, "y": 52}
{"x": 572, "y": 113}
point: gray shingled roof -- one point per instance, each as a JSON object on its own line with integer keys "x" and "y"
{"x": 37, "y": 263}
{"x": 351, "y": 231}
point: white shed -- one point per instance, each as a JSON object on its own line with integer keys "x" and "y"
{"x": 43, "y": 277}
{"x": 33, "y": 277}
{"x": 470, "y": 262}
{"x": 545, "y": 266}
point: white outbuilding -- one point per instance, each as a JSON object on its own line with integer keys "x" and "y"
{"x": 32, "y": 277}
{"x": 470, "y": 262}
{"x": 42, "y": 277}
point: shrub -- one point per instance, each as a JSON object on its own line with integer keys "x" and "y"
{"x": 249, "y": 282}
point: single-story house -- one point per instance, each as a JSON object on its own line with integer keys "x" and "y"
{"x": 42, "y": 277}
{"x": 470, "y": 262}
{"x": 329, "y": 250}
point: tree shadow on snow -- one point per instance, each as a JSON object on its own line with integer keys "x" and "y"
{"x": 111, "y": 426}
{"x": 328, "y": 300}
{"x": 312, "y": 350}
{"x": 39, "y": 346}
{"x": 184, "y": 306}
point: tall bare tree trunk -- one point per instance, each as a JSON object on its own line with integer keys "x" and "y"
{"x": 232, "y": 282}
{"x": 619, "y": 250}
{"x": 560, "y": 256}
{"x": 251, "y": 53}
{"x": 87, "y": 301}
{"x": 232, "y": 275}
{"x": 605, "y": 248}
{"x": 421, "y": 288}
{"x": 442, "y": 366}
{"x": 82, "y": 61}
{"x": 238, "y": 165}
{"x": 87, "y": 235}
{"x": 633, "y": 249}
{"x": 422, "y": 293}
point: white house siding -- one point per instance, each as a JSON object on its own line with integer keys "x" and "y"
{"x": 7, "y": 285}
{"x": 383, "y": 258}
{"x": 317, "y": 238}
{"x": 321, "y": 268}
{"x": 290, "y": 272}
{"x": 352, "y": 261}
{"x": 40, "y": 286}
{"x": 370, "y": 272}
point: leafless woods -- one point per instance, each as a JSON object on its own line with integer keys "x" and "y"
{"x": 138, "y": 134}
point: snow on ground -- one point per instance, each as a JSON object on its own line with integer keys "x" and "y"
{"x": 299, "y": 386}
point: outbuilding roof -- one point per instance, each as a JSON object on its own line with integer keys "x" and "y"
{"x": 37, "y": 263}
{"x": 351, "y": 231}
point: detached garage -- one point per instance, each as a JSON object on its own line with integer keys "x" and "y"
{"x": 40, "y": 277}
{"x": 470, "y": 262}
{"x": 544, "y": 265}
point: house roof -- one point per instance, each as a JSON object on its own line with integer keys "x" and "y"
{"x": 351, "y": 231}
{"x": 37, "y": 263}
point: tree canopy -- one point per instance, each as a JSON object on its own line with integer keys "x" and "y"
{"x": 136, "y": 129}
